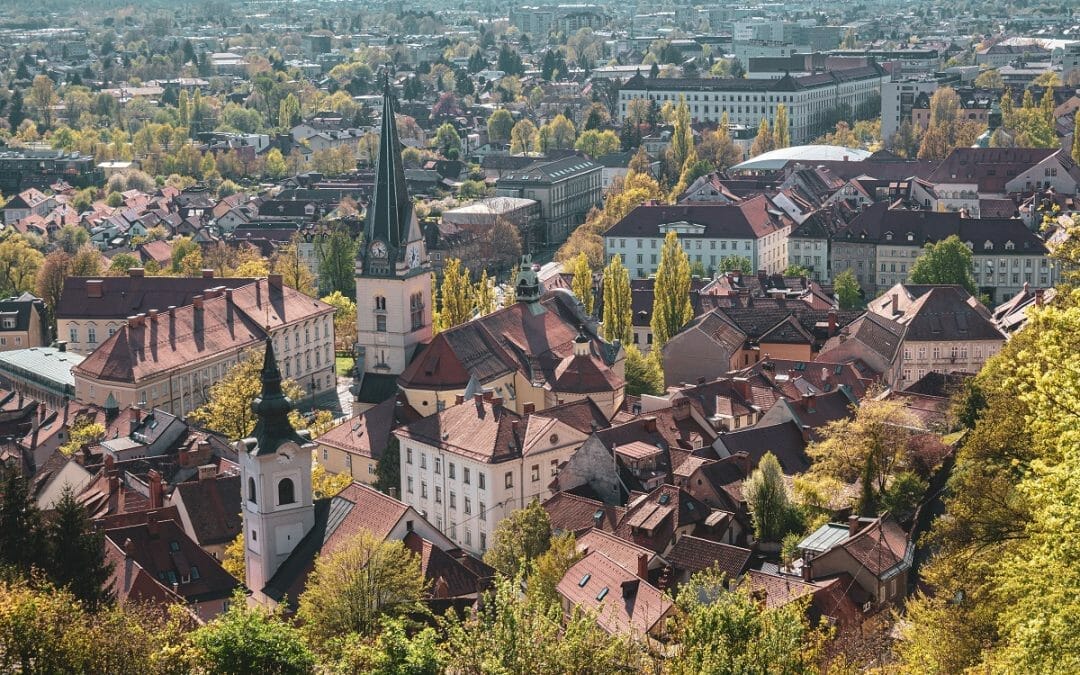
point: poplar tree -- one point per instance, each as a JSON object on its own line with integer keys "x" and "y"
{"x": 671, "y": 292}
{"x": 484, "y": 295}
{"x": 781, "y": 128}
{"x": 457, "y": 304}
{"x": 763, "y": 142}
{"x": 618, "y": 314}
{"x": 582, "y": 284}
{"x": 682, "y": 139}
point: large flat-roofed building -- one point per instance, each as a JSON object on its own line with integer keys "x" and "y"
{"x": 41, "y": 373}
{"x": 565, "y": 188}
{"x": 22, "y": 169}
{"x": 812, "y": 101}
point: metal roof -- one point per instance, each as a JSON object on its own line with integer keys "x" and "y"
{"x": 825, "y": 537}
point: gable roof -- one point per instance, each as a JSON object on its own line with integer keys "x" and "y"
{"x": 693, "y": 554}
{"x": 629, "y": 605}
{"x": 748, "y": 219}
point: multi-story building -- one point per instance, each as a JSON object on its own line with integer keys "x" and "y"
{"x": 23, "y": 323}
{"x": 565, "y": 188}
{"x": 1006, "y": 254}
{"x": 709, "y": 232}
{"x": 968, "y": 176}
{"x": 811, "y": 100}
{"x": 910, "y": 61}
{"x": 170, "y": 358}
{"x": 469, "y": 466}
{"x": 22, "y": 169}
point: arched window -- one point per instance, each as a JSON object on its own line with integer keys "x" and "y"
{"x": 286, "y": 493}
{"x": 251, "y": 491}
{"x": 380, "y": 303}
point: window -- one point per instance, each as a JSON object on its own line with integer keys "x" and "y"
{"x": 468, "y": 537}
{"x": 453, "y": 500}
{"x": 73, "y": 334}
{"x": 554, "y": 467}
{"x": 251, "y": 491}
{"x": 483, "y": 541}
{"x": 423, "y": 489}
{"x": 194, "y": 573}
{"x": 481, "y": 480}
{"x": 380, "y": 304}
{"x": 483, "y": 511}
{"x": 380, "y": 323}
{"x": 535, "y": 472}
{"x": 408, "y": 455}
{"x": 465, "y": 475}
{"x": 438, "y": 465}
{"x": 286, "y": 492}
{"x": 409, "y": 485}
{"x": 468, "y": 506}
{"x": 453, "y": 530}
{"x": 416, "y": 310}
{"x": 450, "y": 470}
{"x": 91, "y": 335}
{"x": 423, "y": 460}
{"x": 509, "y": 479}
{"x": 438, "y": 495}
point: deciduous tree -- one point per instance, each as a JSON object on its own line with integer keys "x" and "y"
{"x": 289, "y": 263}
{"x": 582, "y": 284}
{"x": 671, "y": 295}
{"x": 945, "y": 262}
{"x": 250, "y": 639}
{"x": 642, "y": 372}
{"x": 518, "y": 539}
{"x": 456, "y": 304}
{"x": 847, "y": 290}
{"x": 618, "y": 311}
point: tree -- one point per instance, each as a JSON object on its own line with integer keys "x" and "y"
{"x": 49, "y": 283}
{"x": 671, "y": 294}
{"x": 19, "y": 265}
{"x": 618, "y": 310}
{"x": 250, "y": 639}
{"x": 735, "y": 263}
{"x": 781, "y": 128}
{"x": 337, "y": 260}
{"x": 448, "y": 141}
{"x": 499, "y": 246}
{"x": 871, "y": 447}
{"x": 722, "y": 631}
{"x": 456, "y": 295}
{"x": 180, "y": 248}
{"x": 84, "y": 432}
{"x": 392, "y": 651}
{"x": 718, "y": 148}
{"x": 847, "y": 291}
{"x": 350, "y": 589}
{"x": 228, "y": 406}
{"x": 122, "y": 262}
{"x": 77, "y": 553}
{"x": 276, "y": 167}
{"x": 767, "y": 499}
{"x": 558, "y": 134}
{"x": 682, "y": 136}
{"x": 794, "y": 270}
{"x": 523, "y": 138}
{"x": 484, "y": 295}
{"x": 86, "y": 262}
{"x": 946, "y": 129}
{"x": 289, "y": 263}
{"x": 388, "y": 469}
{"x": 763, "y": 142}
{"x": 945, "y": 262}
{"x": 16, "y": 111}
{"x": 548, "y": 569}
{"x": 596, "y": 143}
{"x": 519, "y": 538}
{"x": 990, "y": 79}
{"x": 642, "y": 372}
{"x": 72, "y": 237}
{"x": 344, "y": 319}
{"x": 43, "y": 98}
{"x": 582, "y": 285}
{"x": 500, "y": 125}
{"x": 22, "y": 536}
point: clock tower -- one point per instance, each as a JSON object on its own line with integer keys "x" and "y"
{"x": 275, "y": 476}
{"x": 393, "y": 282}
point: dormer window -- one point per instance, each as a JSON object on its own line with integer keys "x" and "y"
{"x": 988, "y": 245}
{"x": 970, "y": 245}
{"x": 888, "y": 236}
{"x": 911, "y": 236}
{"x": 1009, "y": 246}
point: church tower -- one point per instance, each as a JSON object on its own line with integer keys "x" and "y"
{"x": 393, "y": 284}
{"x": 275, "y": 477}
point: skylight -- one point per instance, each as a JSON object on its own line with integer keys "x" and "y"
{"x": 584, "y": 580}
{"x": 602, "y": 594}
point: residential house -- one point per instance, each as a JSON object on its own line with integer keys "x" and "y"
{"x": 23, "y": 323}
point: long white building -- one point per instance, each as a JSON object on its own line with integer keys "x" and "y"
{"x": 811, "y": 100}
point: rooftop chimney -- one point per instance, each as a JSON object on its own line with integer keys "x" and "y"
{"x": 643, "y": 565}
{"x": 152, "y": 313}
{"x": 528, "y": 408}
{"x": 156, "y": 497}
{"x": 832, "y": 322}
{"x": 1040, "y": 296}
{"x": 459, "y": 399}
{"x": 136, "y": 272}
{"x": 61, "y": 346}
{"x": 207, "y": 472}
{"x": 808, "y": 402}
{"x": 853, "y": 524}
{"x": 649, "y": 423}
{"x": 135, "y": 419}
{"x": 94, "y": 288}
{"x": 207, "y": 273}
{"x": 152, "y": 522}
{"x": 741, "y": 385}
{"x": 275, "y": 280}
{"x": 129, "y": 547}
{"x": 895, "y": 304}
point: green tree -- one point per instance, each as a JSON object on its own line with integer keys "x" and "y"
{"x": 499, "y": 126}
{"x": 781, "y": 128}
{"x": 764, "y": 141}
{"x": 847, "y": 290}
{"x": 595, "y": 143}
{"x": 344, "y": 319}
{"x": 294, "y": 271}
{"x": 735, "y": 263}
{"x": 353, "y": 587}
{"x": 484, "y": 295}
{"x": 19, "y": 265}
{"x": 86, "y": 262}
{"x": 945, "y": 262}
{"x": 558, "y": 134}
{"x": 22, "y": 536}
{"x": 671, "y": 292}
{"x": 72, "y": 237}
{"x": 722, "y": 631}
{"x": 249, "y": 639}
{"x": 388, "y": 469}
{"x": 77, "y": 553}
{"x": 582, "y": 284}
{"x": 643, "y": 372}
{"x": 336, "y": 252}
{"x": 276, "y": 167}
{"x": 519, "y": 539}
{"x": 524, "y": 138}
{"x": 767, "y": 499}
{"x": 49, "y": 283}
{"x": 180, "y": 248}
{"x": 794, "y": 270}
{"x": 618, "y": 309}
{"x": 122, "y": 262}
{"x": 448, "y": 141}
{"x": 548, "y": 569}
{"x": 228, "y": 408}
{"x": 393, "y": 651}
{"x": 456, "y": 305}
{"x": 682, "y": 136}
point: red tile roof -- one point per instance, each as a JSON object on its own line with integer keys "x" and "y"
{"x": 628, "y": 606}
{"x": 694, "y": 554}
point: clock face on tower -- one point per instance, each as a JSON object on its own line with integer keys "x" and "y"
{"x": 378, "y": 249}
{"x": 414, "y": 256}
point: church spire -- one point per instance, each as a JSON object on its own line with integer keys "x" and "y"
{"x": 390, "y": 210}
{"x": 272, "y": 408}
